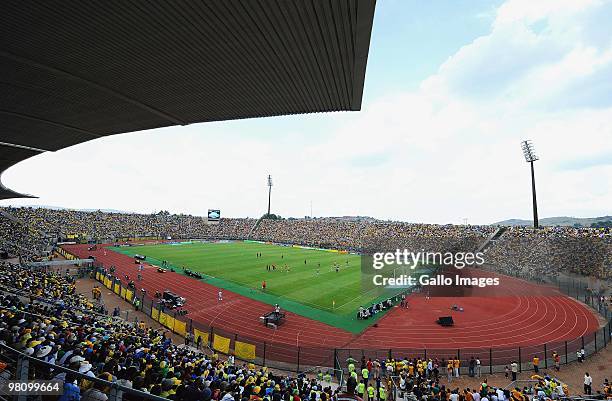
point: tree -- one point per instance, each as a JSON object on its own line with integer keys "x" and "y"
{"x": 602, "y": 224}
{"x": 271, "y": 216}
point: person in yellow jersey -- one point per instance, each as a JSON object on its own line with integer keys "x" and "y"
{"x": 382, "y": 393}
{"x": 371, "y": 393}
{"x": 327, "y": 377}
{"x": 351, "y": 367}
{"x": 517, "y": 395}
{"x": 361, "y": 389}
{"x": 607, "y": 389}
{"x": 421, "y": 366}
{"x": 365, "y": 374}
{"x": 536, "y": 364}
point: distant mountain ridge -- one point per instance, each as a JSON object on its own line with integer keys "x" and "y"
{"x": 557, "y": 221}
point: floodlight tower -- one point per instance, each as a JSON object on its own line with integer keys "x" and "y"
{"x": 530, "y": 157}
{"x": 269, "y": 192}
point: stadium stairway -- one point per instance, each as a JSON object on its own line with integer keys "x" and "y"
{"x": 254, "y": 228}
{"x": 22, "y": 223}
{"x": 8, "y": 215}
{"x": 492, "y": 238}
{"x": 4, "y": 242}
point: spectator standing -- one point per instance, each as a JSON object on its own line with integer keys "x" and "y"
{"x": 588, "y": 381}
{"x": 514, "y": 370}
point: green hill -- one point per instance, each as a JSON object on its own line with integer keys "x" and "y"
{"x": 561, "y": 221}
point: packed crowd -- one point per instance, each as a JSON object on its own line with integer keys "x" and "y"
{"x": 322, "y": 233}
{"x": 17, "y": 239}
{"x": 338, "y": 233}
{"x": 585, "y": 251}
{"x": 431, "y": 379}
{"x": 105, "y": 226}
{"x": 361, "y": 235}
{"x": 40, "y": 284}
{"x": 130, "y": 354}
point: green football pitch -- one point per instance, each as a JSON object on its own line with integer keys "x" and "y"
{"x": 305, "y": 281}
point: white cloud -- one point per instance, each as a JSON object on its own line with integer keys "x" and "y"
{"x": 515, "y": 12}
{"x": 447, "y": 151}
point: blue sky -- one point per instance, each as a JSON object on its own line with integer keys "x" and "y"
{"x": 452, "y": 87}
{"x": 412, "y": 38}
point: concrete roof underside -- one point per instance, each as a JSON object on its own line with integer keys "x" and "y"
{"x": 73, "y": 70}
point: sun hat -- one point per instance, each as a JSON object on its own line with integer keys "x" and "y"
{"x": 77, "y": 358}
{"x": 43, "y": 351}
{"x": 85, "y": 367}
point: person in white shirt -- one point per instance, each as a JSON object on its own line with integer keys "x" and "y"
{"x": 476, "y": 396}
{"x": 514, "y": 370}
{"x": 376, "y": 368}
{"x": 541, "y": 394}
{"x": 500, "y": 395}
{"x": 478, "y": 367}
{"x": 559, "y": 391}
{"x": 588, "y": 380}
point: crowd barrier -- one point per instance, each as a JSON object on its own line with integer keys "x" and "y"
{"x": 65, "y": 254}
{"x": 300, "y": 358}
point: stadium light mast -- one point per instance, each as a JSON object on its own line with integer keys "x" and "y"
{"x": 530, "y": 157}
{"x": 269, "y": 192}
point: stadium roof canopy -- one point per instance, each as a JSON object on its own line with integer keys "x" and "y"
{"x": 74, "y": 70}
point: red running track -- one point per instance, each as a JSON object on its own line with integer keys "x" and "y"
{"x": 521, "y": 314}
